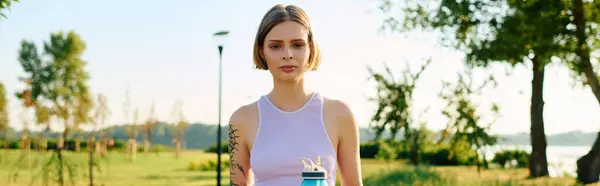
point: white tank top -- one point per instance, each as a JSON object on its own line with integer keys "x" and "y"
{"x": 285, "y": 137}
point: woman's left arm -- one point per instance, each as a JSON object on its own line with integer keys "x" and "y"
{"x": 348, "y": 147}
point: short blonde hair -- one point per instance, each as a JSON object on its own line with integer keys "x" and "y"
{"x": 276, "y": 15}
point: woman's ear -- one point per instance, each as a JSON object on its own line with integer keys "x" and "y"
{"x": 263, "y": 60}
{"x": 261, "y": 52}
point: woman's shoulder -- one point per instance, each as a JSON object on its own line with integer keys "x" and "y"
{"x": 245, "y": 115}
{"x": 338, "y": 109}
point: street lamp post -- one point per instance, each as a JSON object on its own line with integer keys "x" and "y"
{"x": 220, "y": 38}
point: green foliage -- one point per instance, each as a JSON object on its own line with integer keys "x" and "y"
{"x": 488, "y": 31}
{"x": 369, "y": 149}
{"x": 5, "y": 4}
{"x": 61, "y": 80}
{"x": 386, "y": 152}
{"x": 159, "y": 148}
{"x": 420, "y": 175}
{"x": 224, "y": 147}
{"x": 433, "y": 154}
{"x": 447, "y": 155}
{"x": 4, "y": 120}
{"x": 417, "y": 139}
{"x": 394, "y": 98}
{"x": 507, "y": 156}
{"x": 207, "y": 165}
{"x": 11, "y": 144}
{"x": 177, "y": 128}
{"x": 464, "y": 121}
{"x": 521, "y": 31}
{"x": 429, "y": 176}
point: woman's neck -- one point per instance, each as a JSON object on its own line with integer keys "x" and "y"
{"x": 289, "y": 96}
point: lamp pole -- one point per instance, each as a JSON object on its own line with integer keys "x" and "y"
{"x": 219, "y": 150}
{"x": 221, "y": 38}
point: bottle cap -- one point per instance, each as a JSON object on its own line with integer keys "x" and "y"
{"x": 312, "y": 170}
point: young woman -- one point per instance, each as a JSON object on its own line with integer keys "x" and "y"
{"x": 268, "y": 137}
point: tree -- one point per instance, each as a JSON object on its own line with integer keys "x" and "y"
{"x": 4, "y": 127}
{"x": 132, "y": 133}
{"x": 178, "y": 127}
{"x": 148, "y": 129}
{"x": 394, "y": 98}
{"x": 518, "y": 32}
{"x": 5, "y": 4}
{"x": 83, "y": 104}
{"x": 42, "y": 115}
{"x": 417, "y": 139}
{"x": 386, "y": 153}
{"x": 585, "y": 19}
{"x": 464, "y": 121}
{"x": 101, "y": 114}
{"x": 131, "y": 128}
{"x": 42, "y": 112}
{"x": 58, "y": 80}
{"x": 27, "y": 102}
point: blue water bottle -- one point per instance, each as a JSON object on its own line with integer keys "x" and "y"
{"x": 313, "y": 174}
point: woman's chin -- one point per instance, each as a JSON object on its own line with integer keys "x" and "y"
{"x": 289, "y": 77}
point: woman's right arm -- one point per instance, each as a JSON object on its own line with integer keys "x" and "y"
{"x": 239, "y": 155}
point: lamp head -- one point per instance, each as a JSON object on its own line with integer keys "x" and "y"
{"x": 220, "y": 38}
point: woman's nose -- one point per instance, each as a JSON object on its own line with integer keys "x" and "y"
{"x": 288, "y": 55}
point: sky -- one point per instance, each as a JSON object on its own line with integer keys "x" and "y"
{"x": 163, "y": 52}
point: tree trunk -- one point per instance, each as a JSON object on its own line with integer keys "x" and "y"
{"x": 538, "y": 163}
{"x": 105, "y": 147}
{"x": 91, "y": 159}
{"x": 131, "y": 149}
{"x": 588, "y": 166}
{"x": 77, "y": 144}
{"x": 59, "y": 148}
{"x": 6, "y": 141}
{"x": 22, "y": 143}
{"x": 414, "y": 151}
{"x": 478, "y": 163}
{"x": 486, "y": 165}
{"x": 146, "y": 147}
{"x": 43, "y": 143}
{"x": 177, "y": 148}
{"x": 61, "y": 142}
{"x": 134, "y": 150}
{"x": 97, "y": 146}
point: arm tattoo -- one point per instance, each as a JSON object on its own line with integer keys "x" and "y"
{"x": 233, "y": 149}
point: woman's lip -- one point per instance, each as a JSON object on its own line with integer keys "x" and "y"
{"x": 288, "y": 68}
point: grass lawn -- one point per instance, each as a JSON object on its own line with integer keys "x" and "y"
{"x": 164, "y": 169}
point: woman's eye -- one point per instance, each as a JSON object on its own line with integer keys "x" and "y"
{"x": 274, "y": 46}
{"x": 298, "y": 45}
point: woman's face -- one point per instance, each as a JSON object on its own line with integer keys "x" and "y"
{"x": 286, "y": 50}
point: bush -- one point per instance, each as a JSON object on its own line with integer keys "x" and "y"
{"x": 369, "y": 149}
{"x": 418, "y": 176}
{"x": 159, "y": 148}
{"x": 208, "y": 165}
{"x": 442, "y": 157}
{"x": 11, "y": 144}
{"x": 432, "y": 154}
{"x": 505, "y": 157}
{"x": 213, "y": 148}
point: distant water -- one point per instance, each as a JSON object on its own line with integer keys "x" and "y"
{"x": 562, "y": 160}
